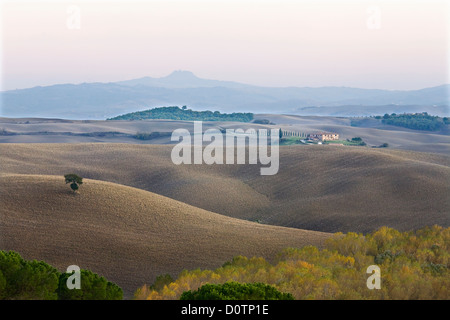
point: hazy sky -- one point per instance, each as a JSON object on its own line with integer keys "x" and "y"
{"x": 366, "y": 44}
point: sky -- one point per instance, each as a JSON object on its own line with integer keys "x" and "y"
{"x": 396, "y": 44}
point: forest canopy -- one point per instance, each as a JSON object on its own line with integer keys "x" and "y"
{"x": 413, "y": 265}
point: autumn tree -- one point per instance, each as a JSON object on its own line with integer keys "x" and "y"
{"x": 414, "y": 265}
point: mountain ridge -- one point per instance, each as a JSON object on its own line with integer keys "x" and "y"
{"x": 99, "y": 100}
{"x": 181, "y": 79}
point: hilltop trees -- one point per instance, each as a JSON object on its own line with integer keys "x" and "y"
{"x": 177, "y": 113}
{"x": 417, "y": 121}
{"x": 74, "y": 181}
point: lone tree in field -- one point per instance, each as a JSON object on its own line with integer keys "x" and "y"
{"x": 74, "y": 181}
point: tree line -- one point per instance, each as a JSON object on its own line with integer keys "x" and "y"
{"x": 416, "y": 121}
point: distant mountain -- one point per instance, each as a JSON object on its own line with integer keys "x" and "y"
{"x": 181, "y": 79}
{"x": 106, "y": 100}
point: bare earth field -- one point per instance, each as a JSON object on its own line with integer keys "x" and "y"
{"x": 35, "y": 130}
{"x": 321, "y": 188}
{"x": 125, "y": 234}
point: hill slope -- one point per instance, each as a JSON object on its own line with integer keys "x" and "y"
{"x": 36, "y": 130}
{"x": 323, "y": 188}
{"x": 125, "y": 234}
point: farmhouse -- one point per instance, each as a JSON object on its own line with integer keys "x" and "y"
{"x": 323, "y": 136}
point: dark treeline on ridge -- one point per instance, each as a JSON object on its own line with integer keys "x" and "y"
{"x": 417, "y": 121}
{"x": 177, "y": 113}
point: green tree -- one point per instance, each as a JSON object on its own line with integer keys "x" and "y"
{"x": 281, "y": 133}
{"x": 37, "y": 280}
{"x": 74, "y": 180}
{"x": 236, "y": 291}
{"x": 26, "y": 280}
{"x": 2, "y": 286}
{"x": 161, "y": 281}
{"x": 93, "y": 287}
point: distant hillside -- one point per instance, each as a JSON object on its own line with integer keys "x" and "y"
{"x": 323, "y": 188}
{"x": 106, "y": 100}
{"x": 177, "y": 113}
{"x": 366, "y": 110}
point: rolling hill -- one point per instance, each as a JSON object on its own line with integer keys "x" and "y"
{"x": 321, "y": 188}
{"x": 39, "y": 130}
{"x": 128, "y": 235}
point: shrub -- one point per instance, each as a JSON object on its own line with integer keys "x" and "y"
{"x": 150, "y": 135}
{"x": 262, "y": 121}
